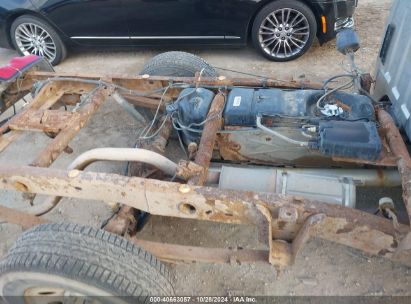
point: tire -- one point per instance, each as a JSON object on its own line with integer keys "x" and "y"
{"x": 177, "y": 64}
{"x": 80, "y": 260}
{"x": 279, "y": 40}
{"x": 51, "y": 44}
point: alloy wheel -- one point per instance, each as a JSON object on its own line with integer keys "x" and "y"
{"x": 284, "y": 33}
{"x": 33, "y": 39}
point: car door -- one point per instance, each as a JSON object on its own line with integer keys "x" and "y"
{"x": 88, "y": 21}
{"x": 176, "y": 21}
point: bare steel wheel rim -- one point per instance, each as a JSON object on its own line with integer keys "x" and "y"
{"x": 284, "y": 33}
{"x": 43, "y": 288}
{"x": 46, "y": 295}
{"x": 53, "y": 295}
{"x": 33, "y": 39}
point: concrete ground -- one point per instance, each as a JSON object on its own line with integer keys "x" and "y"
{"x": 322, "y": 268}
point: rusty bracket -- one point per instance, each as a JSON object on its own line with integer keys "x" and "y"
{"x": 52, "y": 121}
{"x": 188, "y": 169}
{"x": 124, "y": 222}
{"x": 50, "y": 153}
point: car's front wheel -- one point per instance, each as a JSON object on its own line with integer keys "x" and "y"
{"x": 284, "y": 30}
{"x": 33, "y": 36}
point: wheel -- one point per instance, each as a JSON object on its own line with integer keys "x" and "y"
{"x": 178, "y": 64}
{"x": 284, "y": 30}
{"x": 74, "y": 260}
{"x": 31, "y": 35}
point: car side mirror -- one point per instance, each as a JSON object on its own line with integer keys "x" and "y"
{"x": 347, "y": 41}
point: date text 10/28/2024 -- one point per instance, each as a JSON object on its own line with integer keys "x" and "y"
{"x": 203, "y": 299}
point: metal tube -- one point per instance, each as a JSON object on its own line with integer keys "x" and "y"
{"x": 124, "y": 154}
{"x": 279, "y": 135}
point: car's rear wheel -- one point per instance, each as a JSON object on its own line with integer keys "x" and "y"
{"x": 60, "y": 260}
{"x": 284, "y": 30}
{"x": 33, "y": 36}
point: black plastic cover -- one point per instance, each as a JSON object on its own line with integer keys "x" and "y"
{"x": 193, "y": 106}
{"x": 350, "y": 139}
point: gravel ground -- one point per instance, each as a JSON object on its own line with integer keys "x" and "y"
{"x": 322, "y": 268}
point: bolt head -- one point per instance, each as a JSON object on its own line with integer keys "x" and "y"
{"x": 184, "y": 188}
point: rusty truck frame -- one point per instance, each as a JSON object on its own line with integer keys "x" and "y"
{"x": 285, "y": 223}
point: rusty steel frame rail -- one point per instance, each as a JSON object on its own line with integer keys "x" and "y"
{"x": 399, "y": 149}
{"x": 208, "y": 138}
{"x": 23, "y": 85}
{"x": 152, "y": 81}
{"x": 284, "y": 223}
{"x": 284, "y": 231}
{"x": 73, "y": 126}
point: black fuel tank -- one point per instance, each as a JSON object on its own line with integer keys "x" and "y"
{"x": 243, "y": 105}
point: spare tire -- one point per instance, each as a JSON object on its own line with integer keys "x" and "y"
{"x": 61, "y": 259}
{"x": 177, "y": 64}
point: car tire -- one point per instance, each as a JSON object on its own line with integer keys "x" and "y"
{"x": 33, "y": 36}
{"x": 57, "y": 259}
{"x": 176, "y": 64}
{"x": 284, "y": 37}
